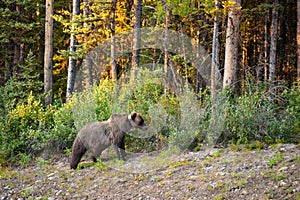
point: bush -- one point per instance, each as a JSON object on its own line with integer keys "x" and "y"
{"x": 253, "y": 116}
{"x": 186, "y": 128}
{"x": 104, "y": 98}
{"x": 25, "y": 129}
{"x": 63, "y": 130}
{"x": 292, "y": 97}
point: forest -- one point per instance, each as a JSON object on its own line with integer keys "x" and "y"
{"x": 200, "y": 71}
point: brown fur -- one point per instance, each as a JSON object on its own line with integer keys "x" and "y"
{"x": 95, "y": 137}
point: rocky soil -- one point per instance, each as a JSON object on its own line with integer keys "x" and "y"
{"x": 230, "y": 173}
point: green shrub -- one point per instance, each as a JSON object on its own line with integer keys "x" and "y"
{"x": 253, "y": 116}
{"x": 63, "y": 130}
{"x": 104, "y": 97}
{"x": 292, "y": 97}
{"x": 25, "y": 129}
{"x": 185, "y": 129}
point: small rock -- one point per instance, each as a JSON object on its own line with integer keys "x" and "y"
{"x": 282, "y": 150}
{"x": 58, "y": 192}
{"x": 193, "y": 177}
{"x": 244, "y": 192}
{"x": 282, "y": 169}
{"x": 6, "y": 187}
{"x": 289, "y": 146}
{"x": 282, "y": 183}
{"x": 51, "y": 174}
{"x": 3, "y": 197}
{"x": 222, "y": 173}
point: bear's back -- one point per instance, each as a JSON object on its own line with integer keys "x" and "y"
{"x": 95, "y": 136}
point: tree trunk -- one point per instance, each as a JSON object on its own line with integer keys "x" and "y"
{"x": 262, "y": 67}
{"x": 298, "y": 43}
{"x": 166, "y": 44}
{"x": 266, "y": 48}
{"x": 88, "y": 60}
{"x": 231, "y": 48}
{"x": 273, "y": 45}
{"x": 137, "y": 4}
{"x": 48, "y": 52}
{"x": 215, "y": 55}
{"x": 113, "y": 42}
{"x": 72, "y": 60}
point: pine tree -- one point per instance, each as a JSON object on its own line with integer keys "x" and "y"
{"x": 48, "y": 51}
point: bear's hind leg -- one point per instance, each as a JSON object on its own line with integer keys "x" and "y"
{"x": 78, "y": 150}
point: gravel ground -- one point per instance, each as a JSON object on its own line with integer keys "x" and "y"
{"x": 229, "y": 173}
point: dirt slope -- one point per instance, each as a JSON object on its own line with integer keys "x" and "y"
{"x": 271, "y": 173}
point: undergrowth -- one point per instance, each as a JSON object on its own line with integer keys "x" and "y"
{"x": 28, "y": 128}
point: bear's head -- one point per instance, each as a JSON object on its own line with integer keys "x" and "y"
{"x": 137, "y": 121}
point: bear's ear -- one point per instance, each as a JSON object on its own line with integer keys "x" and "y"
{"x": 133, "y": 114}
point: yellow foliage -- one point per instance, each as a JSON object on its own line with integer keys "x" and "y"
{"x": 31, "y": 110}
{"x": 229, "y": 5}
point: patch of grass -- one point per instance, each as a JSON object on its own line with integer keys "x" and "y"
{"x": 7, "y": 173}
{"x": 219, "y": 197}
{"x": 42, "y": 162}
{"x": 161, "y": 183}
{"x": 85, "y": 165}
{"x": 11, "y": 185}
{"x": 157, "y": 178}
{"x": 279, "y": 176}
{"x": 297, "y": 195}
{"x": 297, "y": 159}
{"x": 210, "y": 188}
{"x": 191, "y": 186}
{"x": 24, "y": 159}
{"x": 119, "y": 162}
{"x": 241, "y": 182}
{"x": 257, "y": 145}
{"x": 169, "y": 173}
{"x": 226, "y": 185}
{"x": 207, "y": 161}
{"x": 267, "y": 173}
{"x": 140, "y": 177}
{"x": 201, "y": 171}
{"x": 167, "y": 194}
{"x": 224, "y": 162}
{"x": 180, "y": 163}
{"x": 25, "y": 192}
{"x": 289, "y": 190}
{"x": 234, "y": 147}
{"x": 68, "y": 151}
{"x": 278, "y": 157}
{"x": 239, "y": 175}
{"x": 215, "y": 154}
{"x": 273, "y": 146}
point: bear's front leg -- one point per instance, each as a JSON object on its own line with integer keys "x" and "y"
{"x": 122, "y": 148}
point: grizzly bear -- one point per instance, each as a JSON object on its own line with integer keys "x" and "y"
{"x": 95, "y": 137}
